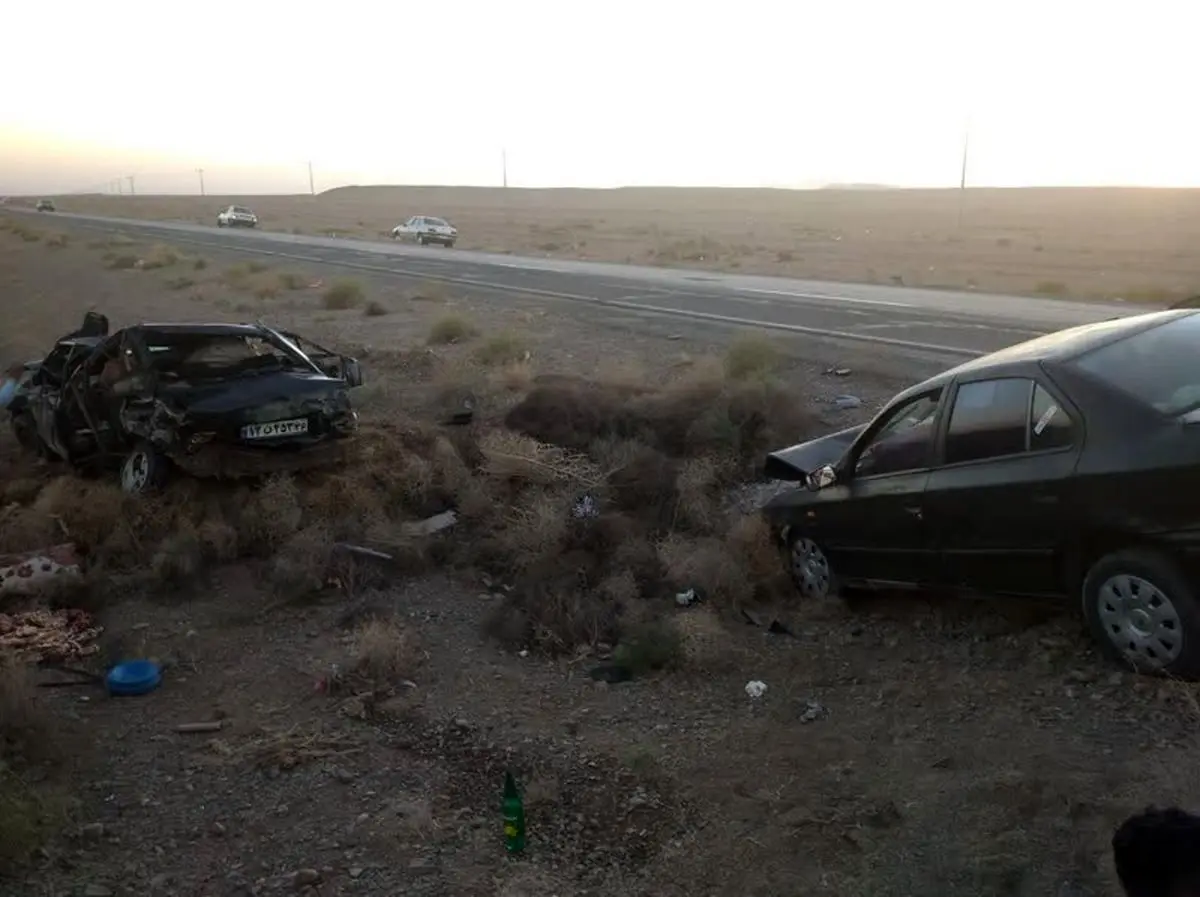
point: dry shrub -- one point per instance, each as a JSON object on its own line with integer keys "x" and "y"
{"x": 270, "y": 515}
{"x": 707, "y": 564}
{"x": 706, "y": 642}
{"x": 266, "y": 291}
{"x": 179, "y": 556}
{"x": 553, "y": 617}
{"x": 375, "y": 309}
{"x": 160, "y": 257}
{"x": 511, "y": 456}
{"x": 752, "y": 356}
{"x": 386, "y": 651}
{"x": 450, "y": 329}
{"x": 699, "y": 486}
{"x": 199, "y": 264}
{"x": 301, "y": 564}
{"x": 503, "y": 348}
{"x": 57, "y": 241}
{"x": 535, "y": 528}
{"x": 515, "y": 377}
{"x": 651, "y": 646}
{"x": 343, "y": 294}
{"x": 121, "y": 261}
{"x": 290, "y": 280}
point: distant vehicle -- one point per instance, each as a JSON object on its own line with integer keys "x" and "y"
{"x": 215, "y": 400}
{"x": 237, "y": 216}
{"x": 423, "y": 229}
{"x": 1064, "y": 467}
{"x": 45, "y": 205}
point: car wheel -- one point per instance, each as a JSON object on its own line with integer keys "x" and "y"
{"x": 144, "y": 470}
{"x": 809, "y": 568}
{"x": 420, "y": 239}
{"x": 1143, "y": 612}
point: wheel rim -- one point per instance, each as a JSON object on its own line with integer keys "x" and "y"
{"x": 1140, "y": 621}
{"x": 810, "y": 569}
{"x": 135, "y": 473}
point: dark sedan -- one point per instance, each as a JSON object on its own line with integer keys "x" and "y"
{"x": 1067, "y": 467}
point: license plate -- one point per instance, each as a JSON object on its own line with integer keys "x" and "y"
{"x": 275, "y": 429}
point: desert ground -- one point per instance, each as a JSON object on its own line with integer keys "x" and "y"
{"x": 363, "y": 715}
{"x": 1130, "y": 244}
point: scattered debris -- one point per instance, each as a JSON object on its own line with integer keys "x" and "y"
{"x": 195, "y": 728}
{"x": 688, "y": 598}
{"x": 774, "y": 625}
{"x": 611, "y": 673}
{"x": 49, "y": 635}
{"x": 812, "y": 712}
{"x": 36, "y": 572}
{"x": 838, "y": 372}
{"x": 586, "y": 508}
{"x": 430, "y": 525}
{"x": 755, "y": 688}
{"x": 846, "y": 402}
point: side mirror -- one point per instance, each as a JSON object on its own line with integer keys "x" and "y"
{"x": 351, "y": 372}
{"x": 821, "y": 478}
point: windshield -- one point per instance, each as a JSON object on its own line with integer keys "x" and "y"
{"x": 242, "y": 211}
{"x": 200, "y": 356}
{"x": 1157, "y": 366}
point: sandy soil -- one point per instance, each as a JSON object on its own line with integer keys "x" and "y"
{"x": 1085, "y": 243}
{"x": 904, "y": 746}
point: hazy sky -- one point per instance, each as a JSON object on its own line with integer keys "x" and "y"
{"x": 588, "y": 93}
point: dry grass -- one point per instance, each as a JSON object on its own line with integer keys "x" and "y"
{"x": 502, "y": 349}
{"x": 1096, "y": 242}
{"x": 57, "y": 241}
{"x": 343, "y": 294}
{"x": 450, "y": 329}
{"x": 752, "y": 356}
{"x": 386, "y": 651}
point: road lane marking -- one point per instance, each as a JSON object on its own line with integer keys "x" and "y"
{"x": 830, "y": 298}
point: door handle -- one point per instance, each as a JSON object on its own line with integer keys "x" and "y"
{"x": 914, "y": 512}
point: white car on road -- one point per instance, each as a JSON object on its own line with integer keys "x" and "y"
{"x": 423, "y": 229}
{"x": 237, "y": 216}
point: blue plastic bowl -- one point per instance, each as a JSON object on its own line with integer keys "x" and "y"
{"x": 134, "y": 677}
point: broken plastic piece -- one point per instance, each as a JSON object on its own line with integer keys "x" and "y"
{"x": 755, "y": 688}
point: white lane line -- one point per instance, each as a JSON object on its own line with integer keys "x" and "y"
{"x": 829, "y": 298}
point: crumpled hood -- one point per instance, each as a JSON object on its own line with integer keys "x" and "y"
{"x": 260, "y": 398}
{"x": 797, "y": 461}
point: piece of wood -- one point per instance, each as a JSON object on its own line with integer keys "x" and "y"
{"x": 191, "y": 728}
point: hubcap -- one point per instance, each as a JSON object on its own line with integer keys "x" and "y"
{"x": 135, "y": 473}
{"x": 810, "y": 569}
{"x": 1140, "y": 621}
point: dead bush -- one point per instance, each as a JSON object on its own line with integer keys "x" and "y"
{"x": 752, "y": 356}
{"x": 270, "y": 514}
{"x": 57, "y": 241}
{"x": 428, "y": 291}
{"x": 121, "y": 262}
{"x": 707, "y": 564}
{"x": 450, "y": 329}
{"x": 343, "y": 294}
{"x": 160, "y": 257}
{"x": 649, "y": 647}
{"x": 290, "y": 280}
{"x": 552, "y": 617}
{"x": 511, "y": 456}
{"x": 535, "y": 528}
{"x": 375, "y": 309}
{"x": 301, "y": 564}
{"x": 179, "y": 557}
{"x": 503, "y": 348}
{"x": 386, "y": 651}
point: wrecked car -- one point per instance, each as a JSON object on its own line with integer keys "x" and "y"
{"x": 220, "y": 400}
{"x": 1063, "y": 467}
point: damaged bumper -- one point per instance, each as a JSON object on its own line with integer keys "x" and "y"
{"x": 224, "y": 461}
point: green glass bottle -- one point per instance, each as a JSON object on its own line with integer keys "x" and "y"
{"x": 514, "y": 816}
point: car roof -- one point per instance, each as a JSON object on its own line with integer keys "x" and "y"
{"x": 1055, "y": 348}
{"x": 202, "y": 329}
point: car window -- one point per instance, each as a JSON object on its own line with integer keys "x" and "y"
{"x": 904, "y": 442}
{"x": 990, "y": 419}
{"x": 1157, "y": 366}
{"x": 1051, "y": 427}
{"x": 436, "y": 222}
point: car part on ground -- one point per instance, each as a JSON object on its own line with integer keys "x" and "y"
{"x": 215, "y": 400}
{"x": 424, "y": 229}
{"x": 1058, "y": 468}
{"x": 236, "y": 216}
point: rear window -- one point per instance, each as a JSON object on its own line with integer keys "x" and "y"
{"x": 1159, "y": 366}
{"x": 436, "y": 222}
{"x": 242, "y": 211}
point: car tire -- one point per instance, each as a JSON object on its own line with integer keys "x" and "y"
{"x": 1143, "y": 613}
{"x": 220, "y": 223}
{"x": 808, "y": 568}
{"x": 144, "y": 470}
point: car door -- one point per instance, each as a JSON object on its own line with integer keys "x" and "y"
{"x": 871, "y": 522}
{"x": 998, "y": 502}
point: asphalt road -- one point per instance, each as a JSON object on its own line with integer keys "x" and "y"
{"x": 956, "y": 325}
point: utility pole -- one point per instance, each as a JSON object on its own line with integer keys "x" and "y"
{"x": 311, "y": 187}
{"x": 120, "y": 189}
{"x": 132, "y": 191}
{"x": 200, "y": 171}
{"x": 504, "y": 167}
